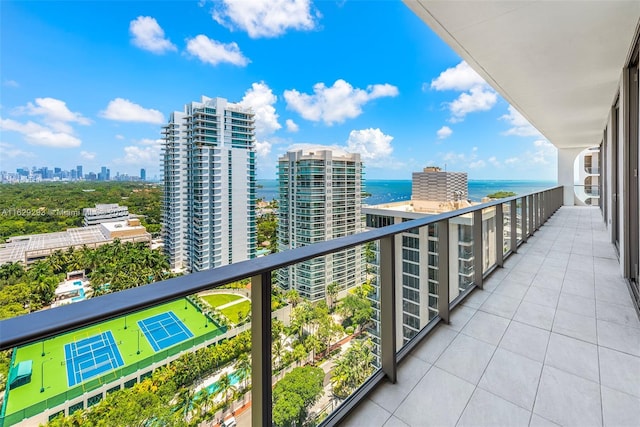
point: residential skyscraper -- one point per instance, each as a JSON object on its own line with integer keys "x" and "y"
{"x": 208, "y": 166}
{"x": 320, "y": 199}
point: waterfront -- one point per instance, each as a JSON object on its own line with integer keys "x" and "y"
{"x": 386, "y": 191}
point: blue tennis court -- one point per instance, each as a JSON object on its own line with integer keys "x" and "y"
{"x": 164, "y": 330}
{"x": 91, "y": 357}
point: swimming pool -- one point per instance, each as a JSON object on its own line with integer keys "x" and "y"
{"x": 234, "y": 378}
{"x": 81, "y": 297}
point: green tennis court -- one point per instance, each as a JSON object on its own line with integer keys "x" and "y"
{"x": 49, "y": 361}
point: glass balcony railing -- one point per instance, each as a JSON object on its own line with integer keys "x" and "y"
{"x": 206, "y": 349}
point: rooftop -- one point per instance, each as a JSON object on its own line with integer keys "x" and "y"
{"x": 552, "y": 338}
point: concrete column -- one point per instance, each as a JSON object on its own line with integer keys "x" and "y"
{"x": 566, "y": 160}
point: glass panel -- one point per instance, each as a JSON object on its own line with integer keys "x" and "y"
{"x": 506, "y": 227}
{"x": 461, "y": 258}
{"x": 519, "y": 220}
{"x": 489, "y": 250}
{"x": 339, "y": 325}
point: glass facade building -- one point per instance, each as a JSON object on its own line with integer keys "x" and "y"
{"x": 209, "y": 176}
{"x": 320, "y": 198}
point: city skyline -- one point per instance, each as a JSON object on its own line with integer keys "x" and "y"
{"x": 310, "y": 78}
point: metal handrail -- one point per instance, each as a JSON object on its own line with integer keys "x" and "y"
{"x": 44, "y": 324}
{"x": 47, "y": 323}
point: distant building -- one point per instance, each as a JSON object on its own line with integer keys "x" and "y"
{"x": 209, "y": 177}
{"x": 79, "y": 173}
{"x": 435, "y": 185}
{"x": 104, "y": 174}
{"x": 143, "y": 175}
{"x": 587, "y": 188}
{"x": 102, "y": 213}
{"x": 320, "y": 199}
{"x": 31, "y": 248}
{"x": 417, "y": 249}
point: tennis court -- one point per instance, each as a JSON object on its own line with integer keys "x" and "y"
{"x": 91, "y": 357}
{"x": 164, "y": 330}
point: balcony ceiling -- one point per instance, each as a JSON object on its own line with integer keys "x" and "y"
{"x": 558, "y": 63}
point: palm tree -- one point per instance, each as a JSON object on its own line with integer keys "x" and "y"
{"x": 185, "y": 399}
{"x": 243, "y": 368}
{"x": 225, "y": 386}
{"x": 293, "y": 297}
{"x": 332, "y": 290}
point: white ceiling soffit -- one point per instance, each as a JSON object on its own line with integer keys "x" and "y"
{"x": 558, "y": 63}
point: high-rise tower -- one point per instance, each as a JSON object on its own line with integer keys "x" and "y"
{"x": 320, "y": 199}
{"x": 208, "y": 167}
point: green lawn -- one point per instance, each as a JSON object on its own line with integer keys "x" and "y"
{"x": 231, "y": 312}
{"x": 54, "y": 366}
{"x": 216, "y": 300}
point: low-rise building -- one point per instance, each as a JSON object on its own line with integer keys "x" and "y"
{"x": 108, "y": 212}
{"x": 31, "y": 248}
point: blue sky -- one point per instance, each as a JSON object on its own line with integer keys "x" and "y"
{"x": 91, "y": 83}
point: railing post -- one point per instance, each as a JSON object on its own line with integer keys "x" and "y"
{"x": 388, "y": 307}
{"x": 499, "y": 235}
{"x": 538, "y": 211}
{"x": 513, "y": 211}
{"x": 477, "y": 248}
{"x": 524, "y": 220}
{"x": 261, "y": 401}
{"x": 531, "y": 228}
{"x": 443, "y": 270}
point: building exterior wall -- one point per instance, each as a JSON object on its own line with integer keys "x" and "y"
{"x": 111, "y": 212}
{"x": 433, "y": 184}
{"x": 208, "y": 165}
{"x": 320, "y": 198}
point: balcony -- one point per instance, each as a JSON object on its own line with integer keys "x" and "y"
{"x": 551, "y": 338}
{"x": 516, "y": 278}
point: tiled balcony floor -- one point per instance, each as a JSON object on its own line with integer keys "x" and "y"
{"x": 552, "y": 340}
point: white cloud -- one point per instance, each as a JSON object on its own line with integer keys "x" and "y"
{"x": 37, "y": 134}
{"x": 87, "y": 155}
{"x": 265, "y": 18}
{"x": 477, "y": 164}
{"x": 149, "y": 141}
{"x": 519, "y": 125}
{"x": 477, "y": 99}
{"x": 337, "y": 103}
{"x": 461, "y": 77}
{"x": 9, "y": 150}
{"x": 120, "y": 137}
{"x": 444, "y": 132}
{"x": 213, "y": 52}
{"x": 544, "y": 152}
{"x": 263, "y": 148}
{"x": 292, "y": 126}
{"x": 494, "y": 161}
{"x": 11, "y": 83}
{"x": 373, "y": 145}
{"x": 54, "y": 113}
{"x": 511, "y": 160}
{"x": 148, "y": 35}
{"x": 126, "y": 111}
{"x": 261, "y": 99}
{"x": 476, "y": 94}
{"x": 136, "y": 155}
